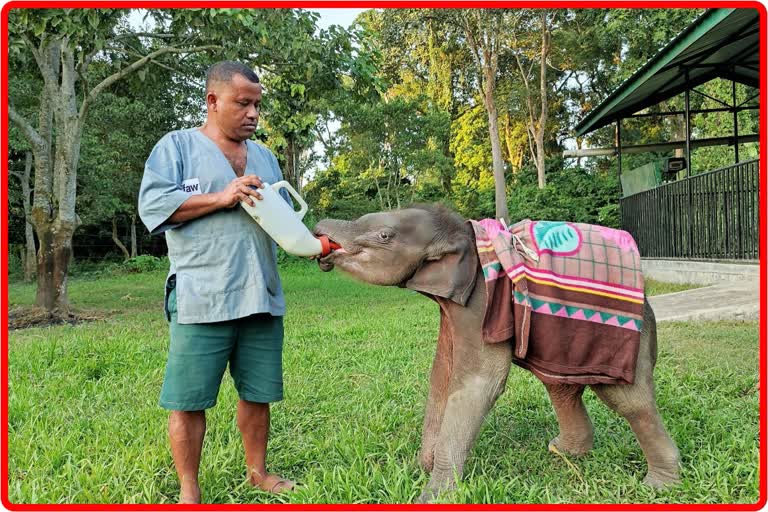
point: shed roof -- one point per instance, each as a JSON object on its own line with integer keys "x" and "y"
{"x": 721, "y": 43}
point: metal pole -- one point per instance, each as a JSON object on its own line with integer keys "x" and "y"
{"x": 735, "y": 126}
{"x": 687, "y": 128}
{"x": 618, "y": 144}
{"x": 618, "y": 154}
{"x": 689, "y": 252}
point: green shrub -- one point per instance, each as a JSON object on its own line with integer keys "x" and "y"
{"x": 572, "y": 194}
{"x": 109, "y": 263}
{"x": 144, "y": 263}
{"x": 14, "y": 261}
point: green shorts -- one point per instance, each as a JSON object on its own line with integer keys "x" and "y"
{"x": 199, "y": 353}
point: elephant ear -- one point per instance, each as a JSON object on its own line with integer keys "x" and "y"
{"x": 450, "y": 275}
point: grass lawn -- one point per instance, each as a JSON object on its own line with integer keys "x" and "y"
{"x": 84, "y": 425}
{"x": 653, "y": 287}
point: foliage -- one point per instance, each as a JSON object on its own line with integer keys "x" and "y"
{"x": 144, "y": 263}
{"x": 424, "y": 61}
{"x": 15, "y": 269}
{"x": 339, "y": 64}
{"x": 356, "y": 363}
{"x": 473, "y": 185}
{"x": 572, "y": 194}
{"x": 372, "y": 117}
{"x": 95, "y": 53}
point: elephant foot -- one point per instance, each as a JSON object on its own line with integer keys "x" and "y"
{"x": 426, "y": 496}
{"x": 660, "y": 480}
{"x": 433, "y": 490}
{"x": 430, "y": 495}
{"x": 427, "y": 460}
{"x": 570, "y": 447}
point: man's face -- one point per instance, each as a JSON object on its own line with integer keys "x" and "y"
{"x": 236, "y": 105}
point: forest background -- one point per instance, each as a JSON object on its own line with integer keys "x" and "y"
{"x": 469, "y": 107}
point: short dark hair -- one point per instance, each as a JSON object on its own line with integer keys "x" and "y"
{"x": 224, "y": 71}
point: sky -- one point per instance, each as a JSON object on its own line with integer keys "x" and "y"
{"x": 343, "y": 17}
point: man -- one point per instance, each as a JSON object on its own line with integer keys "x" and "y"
{"x": 223, "y": 296}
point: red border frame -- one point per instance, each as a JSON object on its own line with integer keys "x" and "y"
{"x": 763, "y": 392}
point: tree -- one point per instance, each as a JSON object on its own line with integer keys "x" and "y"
{"x": 336, "y": 64}
{"x": 63, "y": 44}
{"x": 28, "y": 260}
{"x": 121, "y": 133}
{"x": 124, "y": 125}
{"x": 528, "y": 53}
{"x": 474, "y": 185}
{"x": 389, "y": 150}
{"x": 484, "y": 30}
{"x": 66, "y": 45}
{"x": 604, "y": 48}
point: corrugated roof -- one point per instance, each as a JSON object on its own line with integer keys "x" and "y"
{"x": 721, "y": 43}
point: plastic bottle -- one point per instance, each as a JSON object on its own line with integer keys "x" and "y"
{"x": 284, "y": 224}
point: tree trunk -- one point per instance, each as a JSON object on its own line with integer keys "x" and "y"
{"x": 579, "y": 142}
{"x": 498, "y": 161}
{"x": 678, "y": 133}
{"x": 378, "y": 188}
{"x": 134, "y": 251}
{"x": 52, "y": 263}
{"x": 22, "y": 256}
{"x": 53, "y": 205}
{"x": 28, "y": 260}
{"x": 537, "y": 121}
{"x": 290, "y": 163}
{"x": 30, "y": 266}
{"x": 482, "y": 31}
{"x": 540, "y": 162}
{"x": 544, "y": 114}
{"x": 116, "y": 239}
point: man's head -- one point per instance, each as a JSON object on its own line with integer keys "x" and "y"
{"x": 233, "y": 98}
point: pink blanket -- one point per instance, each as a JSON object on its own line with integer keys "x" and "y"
{"x": 570, "y": 296}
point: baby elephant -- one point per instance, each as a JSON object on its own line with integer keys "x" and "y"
{"x": 431, "y": 250}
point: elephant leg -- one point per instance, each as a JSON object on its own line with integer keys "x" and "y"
{"x": 477, "y": 379}
{"x": 638, "y": 406}
{"x": 637, "y": 403}
{"x": 438, "y": 396}
{"x": 576, "y": 434}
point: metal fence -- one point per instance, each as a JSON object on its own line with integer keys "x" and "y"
{"x": 713, "y": 215}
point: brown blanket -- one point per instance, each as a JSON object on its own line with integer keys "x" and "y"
{"x": 569, "y": 295}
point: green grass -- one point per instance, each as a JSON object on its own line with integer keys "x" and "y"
{"x": 84, "y": 425}
{"x": 653, "y": 287}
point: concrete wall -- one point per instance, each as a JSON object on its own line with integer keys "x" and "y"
{"x": 698, "y": 272}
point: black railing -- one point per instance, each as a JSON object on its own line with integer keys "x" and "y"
{"x": 713, "y": 215}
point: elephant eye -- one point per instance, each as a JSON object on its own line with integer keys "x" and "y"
{"x": 385, "y": 236}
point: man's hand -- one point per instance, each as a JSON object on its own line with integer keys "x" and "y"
{"x": 240, "y": 189}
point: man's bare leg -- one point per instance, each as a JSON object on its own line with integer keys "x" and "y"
{"x": 253, "y": 421}
{"x": 186, "y": 430}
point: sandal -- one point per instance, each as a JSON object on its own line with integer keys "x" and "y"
{"x": 276, "y": 485}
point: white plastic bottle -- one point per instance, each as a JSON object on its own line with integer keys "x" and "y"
{"x": 283, "y": 223}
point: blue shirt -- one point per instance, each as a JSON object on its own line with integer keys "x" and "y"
{"x": 225, "y": 264}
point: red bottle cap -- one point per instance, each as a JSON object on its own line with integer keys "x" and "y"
{"x": 327, "y": 245}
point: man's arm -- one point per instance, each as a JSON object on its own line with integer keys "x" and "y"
{"x": 198, "y": 205}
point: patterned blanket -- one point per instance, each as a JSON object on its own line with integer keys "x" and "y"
{"x": 569, "y": 295}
